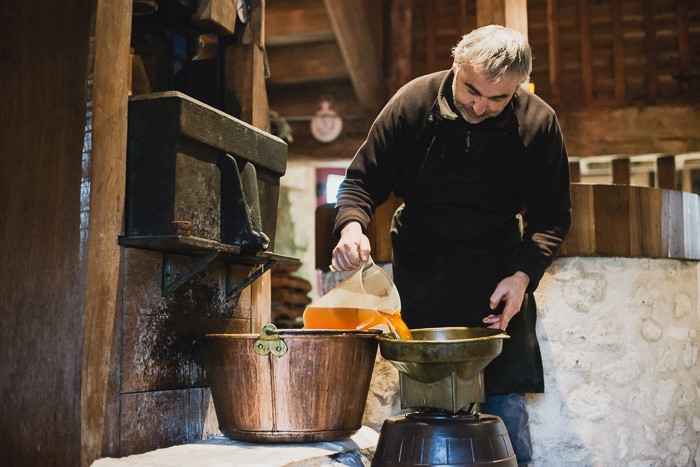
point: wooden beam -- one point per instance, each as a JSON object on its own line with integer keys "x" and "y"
{"x": 42, "y": 130}
{"x": 683, "y": 45}
{"x": 490, "y": 12}
{"x": 245, "y": 92}
{"x": 302, "y": 100}
{"x": 281, "y": 40}
{"x": 261, "y": 289}
{"x": 575, "y": 170}
{"x": 254, "y": 29}
{"x": 354, "y": 37}
{"x": 244, "y": 68}
{"x": 585, "y": 40}
{"x": 376, "y": 12}
{"x": 516, "y": 16}
{"x": 430, "y": 48}
{"x": 632, "y": 130}
{"x": 618, "y": 50}
{"x": 621, "y": 171}
{"x": 463, "y": 17}
{"x": 666, "y": 172}
{"x": 650, "y": 49}
{"x": 216, "y": 16}
{"x": 296, "y": 18}
{"x": 245, "y": 88}
{"x": 399, "y": 44}
{"x": 553, "y": 47}
{"x": 108, "y": 180}
{"x": 509, "y": 13}
{"x": 306, "y": 63}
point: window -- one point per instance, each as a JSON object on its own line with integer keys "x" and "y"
{"x": 332, "y": 184}
{"x": 328, "y": 180}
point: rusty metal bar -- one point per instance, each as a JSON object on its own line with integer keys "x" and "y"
{"x": 170, "y": 283}
{"x": 250, "y": 279}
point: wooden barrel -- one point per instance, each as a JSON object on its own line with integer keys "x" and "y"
{"x": 291, "y": 385}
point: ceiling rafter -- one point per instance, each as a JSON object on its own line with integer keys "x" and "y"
{"x": 354, "y": 36}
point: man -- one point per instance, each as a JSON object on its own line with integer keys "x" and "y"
{"x": 468, "y": 150}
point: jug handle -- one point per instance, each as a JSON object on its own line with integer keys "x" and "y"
{"x": 361, "y": 267}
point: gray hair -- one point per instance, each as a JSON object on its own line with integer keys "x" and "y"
{"x": 498, "y": 51}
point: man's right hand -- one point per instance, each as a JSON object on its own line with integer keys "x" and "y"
{"x": 352, "y": 248}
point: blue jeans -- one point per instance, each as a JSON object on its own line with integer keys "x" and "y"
{"x": 511, "y": 409}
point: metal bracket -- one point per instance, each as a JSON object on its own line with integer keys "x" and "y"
{"x": 170, "y": 283}
{"x": 206, "y": 251}
{"x": 270, "y": 342}
{"x": 230, "y": 293}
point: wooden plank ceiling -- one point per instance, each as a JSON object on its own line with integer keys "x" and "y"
{"x": 589, "y": 54}
{"x": 323, "y": 50}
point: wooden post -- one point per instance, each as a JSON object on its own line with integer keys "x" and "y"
{"x": 246, "y": 98}
{"x": 586, "y": 50}
{"x": 42, "y": 130}
{"x": 509, "y": 13}
{"x": 244, "y": 64}
{"x": 684, "y": 50}
{"x": 108, "y": 178}
{"x": 621, "y": 170}
{"x": 429, "y": 28}
{"x": 666, "y": 172}
{"x": 553, "y": 47}
{"x": 650, "y": 49}
{"x": 354, "y": 37}
{"x": 618, "y": 50}
{"x": 400, "y": 47}
{"x": 246, "y": 95}
{"x": 575, "y": 169}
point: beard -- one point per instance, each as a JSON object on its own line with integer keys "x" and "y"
{"x": 467, "y": 113}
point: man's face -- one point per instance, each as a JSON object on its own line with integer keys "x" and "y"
{"x": 477, "y": 97}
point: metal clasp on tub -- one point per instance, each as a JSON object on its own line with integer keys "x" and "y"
{"x": 270, "y": 342}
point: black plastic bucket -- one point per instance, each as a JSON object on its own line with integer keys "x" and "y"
{"x": 417, "y": 440}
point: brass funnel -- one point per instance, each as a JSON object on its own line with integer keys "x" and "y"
{"x": 443, "y": 367}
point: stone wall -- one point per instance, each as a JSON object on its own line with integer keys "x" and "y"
{"x": 620, "y": 345}
{"x": 295, "y": 235}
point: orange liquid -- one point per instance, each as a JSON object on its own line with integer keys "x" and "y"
{"x": 355, "y": 319}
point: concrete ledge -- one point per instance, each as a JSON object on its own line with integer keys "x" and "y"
{"x": 220, "y": 451}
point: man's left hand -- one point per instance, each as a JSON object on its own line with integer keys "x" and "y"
{"x": 510, "y": 290}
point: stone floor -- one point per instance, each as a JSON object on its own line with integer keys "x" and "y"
{"x": 219, "y": 451}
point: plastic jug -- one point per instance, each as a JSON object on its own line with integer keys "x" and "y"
{"x": 366, "y": 299}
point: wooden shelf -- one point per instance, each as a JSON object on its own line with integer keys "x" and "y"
{"x": 194, "y": 246}
{"x": 207, "y": 251}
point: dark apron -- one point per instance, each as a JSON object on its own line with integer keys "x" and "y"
{"x": 450, "y": 285}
